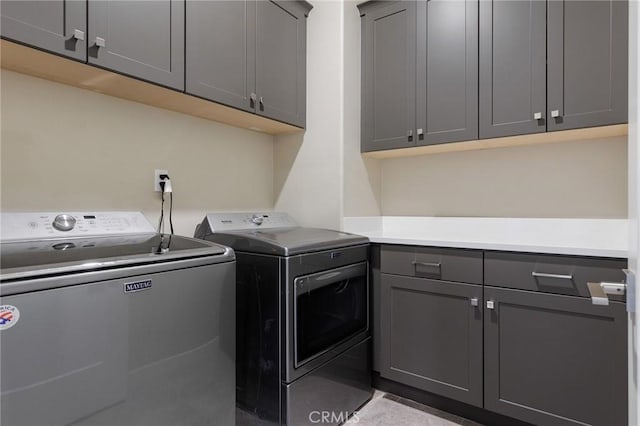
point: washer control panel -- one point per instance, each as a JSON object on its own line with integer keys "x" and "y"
{"x": 37, "y": 226}
{"x": 219, "y": 222}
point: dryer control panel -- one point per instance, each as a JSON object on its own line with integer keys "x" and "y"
{"x": 219, "y": 222}
{"x": 49, "y": 225}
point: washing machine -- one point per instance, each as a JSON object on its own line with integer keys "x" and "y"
{"x": 303, "y": 318}
{"x": 103, "y": 321}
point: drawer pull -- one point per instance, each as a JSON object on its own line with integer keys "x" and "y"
{"x": 558, "y": 276}
{"x": 427, "y": 264}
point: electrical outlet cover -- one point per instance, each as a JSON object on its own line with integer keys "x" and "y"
{"x": 156, "y": 179}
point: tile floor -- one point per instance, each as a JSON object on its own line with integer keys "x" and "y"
{"x": 391, "y": 410}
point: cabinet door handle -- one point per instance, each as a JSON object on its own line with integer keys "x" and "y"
{"x": 474, "y": 301}
{"x": 78, "y": 34}
{"x": 555, "y": 113}
{"x": 252, "y": 100}
{"x": 491, "y": 304}
{"x": 537, "y": 116}
{"x": 261, "y": 104}
{"x": 556, "y": 276}
{"x": 410, "y": 135}
{"x": 100, "y": 42}
{"x": 427, "y": 264}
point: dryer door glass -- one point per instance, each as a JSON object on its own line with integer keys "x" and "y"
{"x": 330, "y": 307}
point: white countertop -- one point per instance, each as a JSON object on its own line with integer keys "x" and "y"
{"x": 584, "y": 237}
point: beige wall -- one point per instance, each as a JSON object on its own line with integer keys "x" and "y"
{"x": 309, "y": 168}
{"x": 586, "y": 179}
{"x": 361, "y": 175}
{"x": 69, "y": 149}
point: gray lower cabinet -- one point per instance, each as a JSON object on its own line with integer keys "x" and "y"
{"x": 388, "y": 75}
{"x": 220, "y": 51}
{"x": 447, "y": 71}
{"x": 56, "y": 26}
{"x": 587, "y": 63}
{"x": 555, "y": 359}
{"x": 431, "y": 336}
{"x": 513, "y": 333}
{"x": 140, "y": 38}
{"x": 512, "y": 70}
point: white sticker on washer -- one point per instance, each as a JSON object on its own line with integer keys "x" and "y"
{"x": 9, "y": 316}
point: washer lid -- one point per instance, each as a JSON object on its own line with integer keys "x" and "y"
{"x": 286, "y": 241}
{"x": 28, "y": 259}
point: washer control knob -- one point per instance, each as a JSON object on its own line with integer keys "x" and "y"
{"x": 64, "y": 222}
{"x": 257, "y": 219}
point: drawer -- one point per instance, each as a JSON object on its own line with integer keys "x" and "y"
{"x": 550, "y": 273}
{"x": 447, "y": 264}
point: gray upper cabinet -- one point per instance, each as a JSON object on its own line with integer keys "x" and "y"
{"x": 587, "y": 63}
{"x": 447, "y": 71}
{"x": 555, "y": 359}
{"x": 249, "y": 55}
{"x": 281, "y": 38}
{"x": 512, "y": 68}
{"x": 388, "y": 75}
{"x": 419, "y": 73}
{"x": 143, "y": 39}
{"x": 57, "y": 26}
{"x": 220, "y": 51}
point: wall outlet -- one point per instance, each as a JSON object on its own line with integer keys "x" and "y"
{"x": 156, "y": 179}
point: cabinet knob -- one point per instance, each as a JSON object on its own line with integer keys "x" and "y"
{"x": 490, "y": 304}
{"x": 537, "y": 116}
{"x": 555, "y": 113}
{"x": 420, "y": 134}
{"x": 100, "y": 42}
{"x": 78, "y": 34}
{"x": 261, "y": 104}
{"x": 474, "y": 301}
{"x": 253, "y": 98}
{"x": 410, "y": 135}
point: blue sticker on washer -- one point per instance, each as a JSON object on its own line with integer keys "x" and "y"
{"x": 9, "y": 316}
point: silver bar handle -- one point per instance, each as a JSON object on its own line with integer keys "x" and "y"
{"x": 78, "y": 34}
{"x": 321, "y": 279}
{"x": 427, "y": 264}
{"x": 100, "y": 42}
{"x": 557, "y": 276}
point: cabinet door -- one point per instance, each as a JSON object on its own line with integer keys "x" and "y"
{"x": 554, "y": 359}
{"x": 220, "y": 51}
{"x": 512, "y": 67}
{"x": 57, "y": 26}
{"x": 141, "y": 38}
{"x": 432, "y": 336}
{"x": 587, "y": 71}
{"x": 281, "y": 61}
{"x": 389, "y": 76}
{"x": 447, "y": 71}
